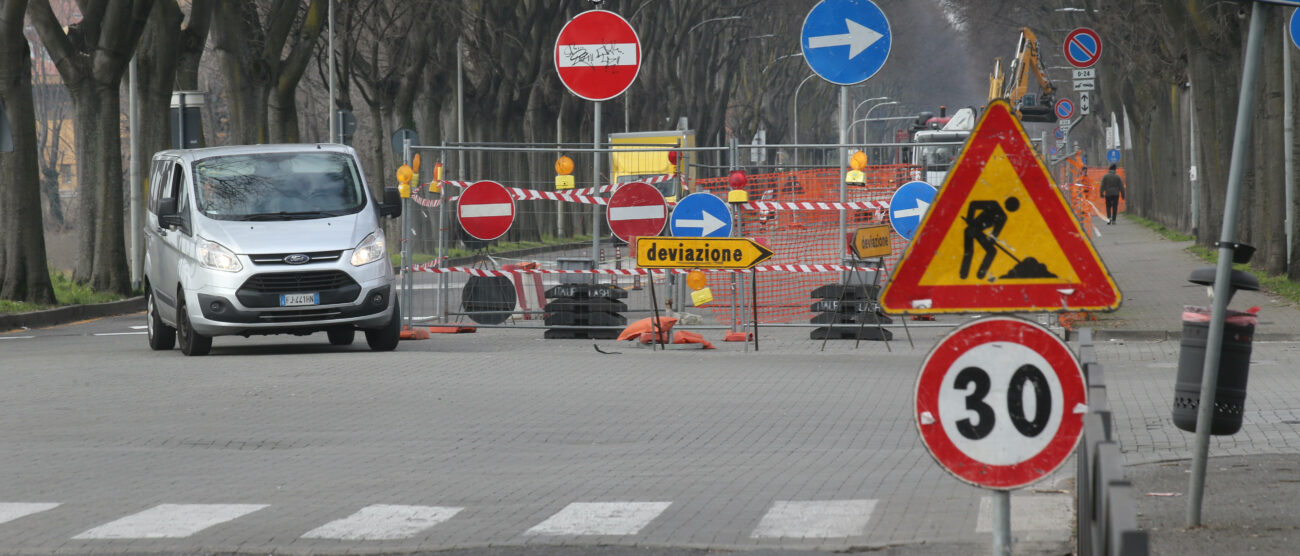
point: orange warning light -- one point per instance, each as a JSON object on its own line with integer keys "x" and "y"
{"x": 564, "y": 166}
{"x": 858, "y": 161}
{"x": 696, "y": 280}
{"x": 415, "y": 164}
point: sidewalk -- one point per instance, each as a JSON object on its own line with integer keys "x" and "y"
{"x": 1253, "y": 478}
{"x": 1152, "y": 276}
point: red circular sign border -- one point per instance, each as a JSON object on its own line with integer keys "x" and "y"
{"x": 460, "y": 203}
{"x": 1065, "y": 46}
{"x": 958, "y": 342}
{"x": 555, "y": 55}
{"x": 610, "y": 205}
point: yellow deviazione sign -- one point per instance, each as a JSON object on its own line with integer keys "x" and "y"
{"x": 699, "y": 252}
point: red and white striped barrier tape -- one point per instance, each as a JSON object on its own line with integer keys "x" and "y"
{"x": 806, "y": 205}
{"x": 428, "y": 267}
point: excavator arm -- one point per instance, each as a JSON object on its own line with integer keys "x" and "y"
{"x": 1031, "y": 108}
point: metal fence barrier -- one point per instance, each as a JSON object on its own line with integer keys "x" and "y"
{"x": 1106, "y": 507}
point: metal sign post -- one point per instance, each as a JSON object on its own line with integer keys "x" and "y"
{"x": 1222, "y": 276}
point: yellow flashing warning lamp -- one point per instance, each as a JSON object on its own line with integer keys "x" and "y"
{"x": 415, "y": 164}
{"x": 404, "y": 175}
{"x": 563, "y": 169}
{"x": 856, "y": 176}
{"x": 435, "y": 186}
{"x": 738, "y": 179}
{"x": 699, "y": 284}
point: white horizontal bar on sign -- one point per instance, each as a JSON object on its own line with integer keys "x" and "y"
{"x": 597, "y": 55}
{"x": 637, "y": 213}
{"x": 486, "y": 210}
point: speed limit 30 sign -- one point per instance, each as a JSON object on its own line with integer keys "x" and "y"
{"x": 1000, "y": 402}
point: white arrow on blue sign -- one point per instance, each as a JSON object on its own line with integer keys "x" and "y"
{"x": 845, "y": 41}
{"x": 701, "y": 215}
{"x": 908, "y": 205}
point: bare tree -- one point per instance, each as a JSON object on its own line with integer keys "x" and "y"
{"x": 261, "y": 79}
{"x": 24, "y": 275}
{"x": 91, "y": 57}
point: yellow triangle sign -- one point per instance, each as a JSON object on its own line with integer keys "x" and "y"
{"x": 999, "y": 237}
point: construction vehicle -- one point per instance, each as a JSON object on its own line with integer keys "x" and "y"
{"x": 938, "y": 140}
{"x": 1013, "y": 86}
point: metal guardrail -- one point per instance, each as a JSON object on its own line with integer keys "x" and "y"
{"x": 1105, "y": 506}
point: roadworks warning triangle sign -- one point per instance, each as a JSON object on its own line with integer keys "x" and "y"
{"x": 999, "y": 237}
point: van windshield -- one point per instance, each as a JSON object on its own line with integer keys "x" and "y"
{"x": 278, "y": 186}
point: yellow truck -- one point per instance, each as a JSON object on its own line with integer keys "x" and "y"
{"x": 637, "y": 156}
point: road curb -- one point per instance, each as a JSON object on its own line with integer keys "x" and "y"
{"x": 1173, "y": 335}
{"x": 71, "y": 313}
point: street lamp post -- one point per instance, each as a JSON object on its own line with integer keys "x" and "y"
{"x": 795, "y": 109}
{"x": 855, "y": 108}
{"x": 873, "y": 107}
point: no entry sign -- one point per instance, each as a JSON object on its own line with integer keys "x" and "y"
{"x": 1000, "y": 402}
{"x": 597, "y": 55}
{"x": 637, "y": 210}
{"x": 486, "y": 210}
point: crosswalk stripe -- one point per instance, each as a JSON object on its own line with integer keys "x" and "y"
{"x": 10, "y": 511}
{"x": 1035, "y": 512}
{"x": 817, "y": 519}
{"x": 600, "y": 518}
{"x": 382, "y": 522}
{"x": 169, "y": 521}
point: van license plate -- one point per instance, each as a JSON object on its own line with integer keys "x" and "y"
{"x": 295, "y": 299}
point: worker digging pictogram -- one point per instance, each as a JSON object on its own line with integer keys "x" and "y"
{"x": 984, "y": 221}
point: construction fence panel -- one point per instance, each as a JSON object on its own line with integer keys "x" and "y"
{"x": 458, "y": 278}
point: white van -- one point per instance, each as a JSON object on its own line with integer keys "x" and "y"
{"x": 267, "y": 239}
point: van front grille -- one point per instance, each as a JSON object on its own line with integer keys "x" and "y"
{"x": 290, "y": 282}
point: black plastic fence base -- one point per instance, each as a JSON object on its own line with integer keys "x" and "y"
{"x": 580, "y": 334}
{"x": 851, "y": 333}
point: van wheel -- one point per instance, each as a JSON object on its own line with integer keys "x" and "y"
{"x": 386, "y": 338}
{"x": 161, "y": 336}
{"x": 192, "y": 343}
{"x": 341, "y": 336}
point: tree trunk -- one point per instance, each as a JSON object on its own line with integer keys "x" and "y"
{"x": 26, "y": 276}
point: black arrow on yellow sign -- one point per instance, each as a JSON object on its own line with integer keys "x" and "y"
{"x": 699, "y": 252}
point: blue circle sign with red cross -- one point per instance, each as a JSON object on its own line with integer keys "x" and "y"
{"x": 1082, "y": 47}
{"x": 1064, "y": 109}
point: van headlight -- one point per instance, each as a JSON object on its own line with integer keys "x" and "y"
{"x": 369, "y": 250}
{"x": 215, "y": 256}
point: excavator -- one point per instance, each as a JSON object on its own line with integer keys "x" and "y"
{"x": 1014, "y": 88}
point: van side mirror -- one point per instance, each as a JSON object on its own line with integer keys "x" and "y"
{"x": 167, "y": 216}
{"x": 392, "y": 205}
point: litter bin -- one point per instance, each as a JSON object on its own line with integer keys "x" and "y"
{"x": 1234, "y": 368}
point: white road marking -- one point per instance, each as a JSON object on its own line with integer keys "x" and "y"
{"x": 486, "y": 209}
{"x": 1037, "y": 512}
{"x": 637, "y": 213}
{"x": 169, "y": 521}
{"x": 600, "y": 518}
{"x": 383, "y": 522}
{"x": 119, "y": 333}
{"x": 140, "y": 327}
{"x": 16, "y": 337}
{"x": 10, "y": 511}
{"x": 815, "y": 519}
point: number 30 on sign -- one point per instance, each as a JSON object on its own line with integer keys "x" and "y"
{"x": 1000, "y": 402}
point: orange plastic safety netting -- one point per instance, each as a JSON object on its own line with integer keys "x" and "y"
{"x": 802, "y": 236}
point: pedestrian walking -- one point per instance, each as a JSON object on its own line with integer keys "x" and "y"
{"x": 1112, "y": 188}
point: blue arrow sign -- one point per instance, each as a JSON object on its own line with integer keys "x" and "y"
{"x": 1112, "y": 156}
{"x": 845, "y": 41}
{"x": 908, "y": 205}
{"x": 701, "y": 215}
{"x": 1295, "y": 28}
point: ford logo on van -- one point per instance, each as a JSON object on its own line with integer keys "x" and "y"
{"x": 297, "y": 258}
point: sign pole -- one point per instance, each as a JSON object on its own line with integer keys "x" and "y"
{"x": 844, "y": 162}
{"x": 595, "y": 178}
{"x": 1227, "y": 239}
{"x": 1001, "y": 523}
